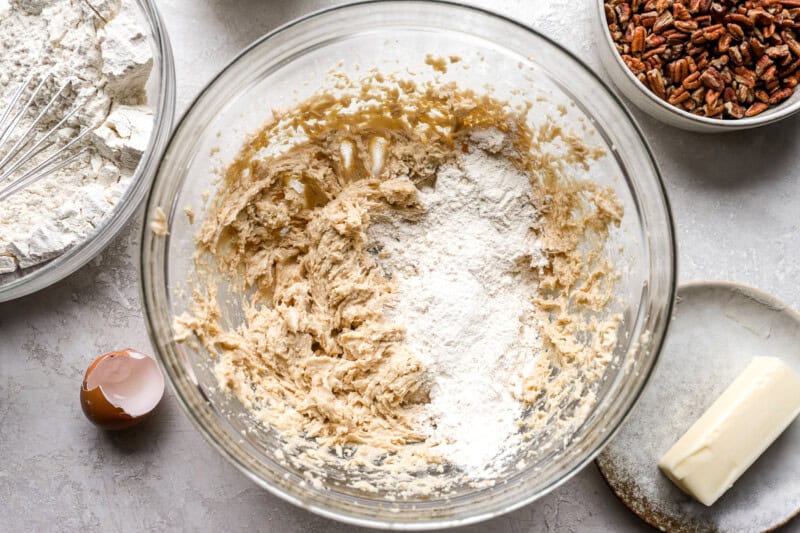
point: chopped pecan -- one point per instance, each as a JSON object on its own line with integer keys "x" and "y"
{"x": 745, "y": 76}
{"x": 780, "y": 95}
{"x": 637, "y": 43}
{"x": 735, "y": 30}
{"x": 698, "y": 37}
{"x": 736, "y": 55}
{"x": 656, "y": 82}
{"x": 628, "y": 36}
{"x": 756, "y": 109}
{"x": 685, "y": 26}
{"x": 712, "y": 33}
{"x": 692, "y": 81}
{"x": 734, "y": 110}
{"x": 724, "y": 43}
{"x": 762, "y": 65}
{"x": 675, "y": 36}
{"x": 678, "y": 70}
{"x": 760, "y": 16}
{"x": 745, "y": 95}
{"x": 654, "y": 41}
{"x": 772, "y": 85}
{"x": 714, "y": 110}
{"x": 680, "y": 12}
{"x": 699, "y": 6}
{"x": 717, "y": 12}
{"x": 679, "y": 96}
{"x": 623, "y": 13}
{"x": 712, "y": 97}
{"x": 791, "y": 42}
{"x": 744, "y": 49}
{"x": 648, "y": 19}
{"x": 790, "y": 69}
{"x": 741, "y": 20}
{"x": 769, "y": 74}
{"x": 712, "y": 79}
{"x": 655, "y": 51}
{"x": 757, "y": 47}
{"x": 781, "y": 50}
{"x": 663, "y": 22}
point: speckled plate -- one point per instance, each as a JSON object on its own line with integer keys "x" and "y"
{"x": 717, "y": 329}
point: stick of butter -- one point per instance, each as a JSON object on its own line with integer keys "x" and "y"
{"x": 737, "y": 428}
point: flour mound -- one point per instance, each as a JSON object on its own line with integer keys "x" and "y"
{"x": 465, "y": 302}
{"x": 102, "y": 55}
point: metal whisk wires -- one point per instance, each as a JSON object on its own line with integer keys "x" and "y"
{"x": 24, "y": 157}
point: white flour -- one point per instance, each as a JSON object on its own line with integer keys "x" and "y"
{"x": 102, "y": 49}
{"x": 465, "y": 301}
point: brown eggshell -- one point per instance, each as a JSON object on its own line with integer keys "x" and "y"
{"x": 102, "y": 414}
{"x": 96, "y": 405}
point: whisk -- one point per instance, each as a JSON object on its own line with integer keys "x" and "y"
{"x": 21, "y": 164}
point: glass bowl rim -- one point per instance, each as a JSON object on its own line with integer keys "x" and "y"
{"x": 307, "y": 503}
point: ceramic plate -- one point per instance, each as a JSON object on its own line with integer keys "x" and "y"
{"x": 717, "y": 329}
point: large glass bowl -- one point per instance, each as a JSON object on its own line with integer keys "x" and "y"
{"x": 289, "y": 64}
{"x": 161, "y": 99}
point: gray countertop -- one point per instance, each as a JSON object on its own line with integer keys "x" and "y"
{"x": 736, "y": 200}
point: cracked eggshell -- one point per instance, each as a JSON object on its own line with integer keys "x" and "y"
{"x": 121, "y": 388}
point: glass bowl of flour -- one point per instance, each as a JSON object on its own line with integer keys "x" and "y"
{"x": 407, "y": 265}
{"x": 114, "y": 59}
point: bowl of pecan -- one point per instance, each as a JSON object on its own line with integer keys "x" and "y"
{"x": 705, "y": 65}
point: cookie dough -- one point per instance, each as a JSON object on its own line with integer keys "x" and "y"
{"x": 315, "y": 354}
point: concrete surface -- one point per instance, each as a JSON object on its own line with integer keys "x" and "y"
{"x": 736, "y": 200}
